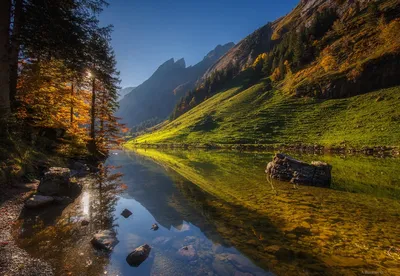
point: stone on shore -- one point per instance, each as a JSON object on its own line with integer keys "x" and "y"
{"x": 286, "y": 168}
{"x": 105, "y": 240}
{"x": 37, "y": 201}
{"x": 56, "y": 182}
{"x": 139, "y": 255}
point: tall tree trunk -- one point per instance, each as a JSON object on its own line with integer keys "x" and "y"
{"x": 14, "y": 52}
{"x": 72, "y": 102}
{"x": 5, "y": 6}
{"x": 92, "y": 144}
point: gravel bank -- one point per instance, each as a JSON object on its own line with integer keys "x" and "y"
{"x": 14, "y": 260}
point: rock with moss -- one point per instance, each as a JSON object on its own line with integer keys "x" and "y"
{"x": 286, "y": 168}
{"x": 57, "y": 182}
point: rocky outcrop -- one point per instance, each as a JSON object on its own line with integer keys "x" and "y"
{"x": 37, "y": 201}
{"x": 286, "y": 168}
{"x": 105, "y": 240}
{"x": 56, "y": 182}
{"x": 382, "y": 72}
{"x": 246, "y": 51}
{"x": 139, "y": 255}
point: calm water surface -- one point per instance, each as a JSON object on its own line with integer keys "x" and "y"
{"x": 237, "y": 221}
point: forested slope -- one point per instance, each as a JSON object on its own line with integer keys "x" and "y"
{"x": 329, "y": 75}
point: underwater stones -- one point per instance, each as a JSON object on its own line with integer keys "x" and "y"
{"x": 221, "y": 267}
{"x": 272, "y": 248}
{"x": 187, "y": 252}
{"x": 105, "y": 240}
{"x": 139, "y": 255}
{"x": 126, "y": 213}
{"x": 286, "y": 168}
{"x": 154, "y": 227}
{"x": 37, "y": 201}
{"x": 284, "y": 254}
{"x": 344, "y": 261}
{"x": 217, "y": 248}
{"x": 56, "y": 182}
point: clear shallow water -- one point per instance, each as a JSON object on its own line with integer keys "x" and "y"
{"x": 237, "y": 221}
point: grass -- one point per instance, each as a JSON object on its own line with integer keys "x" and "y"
{"x": 259, "y": 116}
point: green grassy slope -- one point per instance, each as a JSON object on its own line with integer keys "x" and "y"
{"x": 258, "y": 116}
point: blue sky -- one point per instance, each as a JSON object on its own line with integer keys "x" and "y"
{"x": 149, "y": 32}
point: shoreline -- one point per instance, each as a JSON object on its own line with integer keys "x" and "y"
{"x": 13, "y": 259}
{"x": 305, "y": 148}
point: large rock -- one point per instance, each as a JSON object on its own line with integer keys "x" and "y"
{"x": 37, "y": 201}
{"x": 56, "y": 182}
{"x": 105, "y": 240}
{"x": 286, "y": 168}
{"x": 139, "y": 255}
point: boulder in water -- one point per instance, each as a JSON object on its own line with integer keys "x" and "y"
{"x": 139, "y": 255}
{"x": 105, "y": 240}
{"x": 286, "y": 168}
{"x": 126, "y": 213}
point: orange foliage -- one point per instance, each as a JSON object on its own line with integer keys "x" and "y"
{"x": 276, "y": 75}
{"x": 260, "y": 59}
{"x": 391, "y": 34}
{"x": 46, "y": 97}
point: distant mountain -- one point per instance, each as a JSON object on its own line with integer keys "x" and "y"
{"x": 327, "y": 73}
{"x": 157, "y": 96}
{"x": 124, "y": 91}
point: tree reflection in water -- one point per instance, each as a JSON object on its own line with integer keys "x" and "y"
{"x": 57, "y": 234}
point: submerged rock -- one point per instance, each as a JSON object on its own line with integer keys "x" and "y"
{"x": 105, "y": 240}
{"x": 286, "y": 168}
{"x": 154, "y": 227}
{"x": 139, "y": 255}
{"x": 37, "y": 201}
{"x": 56, "y": 182}
{"x": 187, "y": 252}
{"x": 126, "y": 213}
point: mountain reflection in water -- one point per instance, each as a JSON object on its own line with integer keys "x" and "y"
{"x": 221, "y": 205}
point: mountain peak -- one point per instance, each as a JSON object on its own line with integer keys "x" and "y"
{"x": 170, "y": 65}
{"x": 219, "y": 50}
{"x": 181, "y": 63}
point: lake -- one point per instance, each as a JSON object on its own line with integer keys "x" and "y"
{"x": 227, "y": 217}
